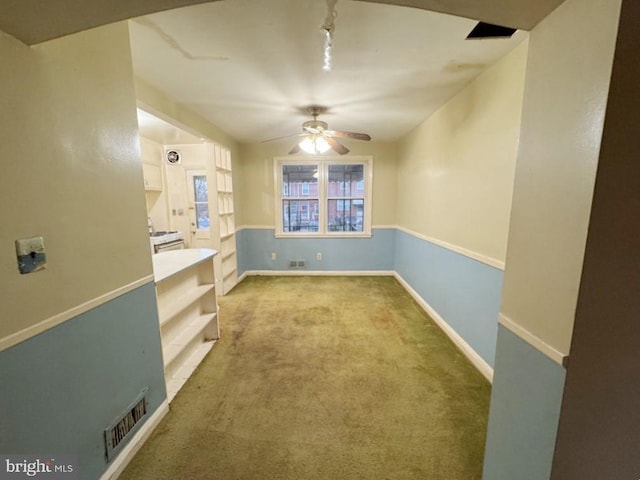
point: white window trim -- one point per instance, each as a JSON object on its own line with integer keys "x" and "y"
{"x": 323, "y": 162}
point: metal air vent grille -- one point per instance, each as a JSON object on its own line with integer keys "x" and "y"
{"x": 125, "y": 425}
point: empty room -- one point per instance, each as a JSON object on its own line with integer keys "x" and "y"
{"x": 319, "y": 239}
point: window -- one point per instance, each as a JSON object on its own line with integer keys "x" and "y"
{"x": 201, "y": 201}
{"x": 298, "y": 195}
{"x": 328, "y": 196}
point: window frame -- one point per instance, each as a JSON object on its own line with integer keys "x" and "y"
{"x": 323, "y": 162}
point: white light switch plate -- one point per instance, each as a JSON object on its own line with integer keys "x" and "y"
{"x": 31, "y": 255}
{"x": 26, "y": 246}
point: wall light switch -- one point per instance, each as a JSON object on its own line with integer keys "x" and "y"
{"x": 273, "y": 255}
{"x": 31, "y": 254}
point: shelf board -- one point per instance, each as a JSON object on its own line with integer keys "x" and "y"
{"x": 180, "y": 377}
{"x": 190, "y": 333}
{"x": 167, "y": 264}
{"x": 182, "y": 302}
{"x": 228, "y": 255}
{"x": 228, "y": 274}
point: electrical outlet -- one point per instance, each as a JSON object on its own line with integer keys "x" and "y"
{"x": 273, "y": 255}
{"x": 318, "y": 256}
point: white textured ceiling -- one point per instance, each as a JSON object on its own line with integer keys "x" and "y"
{"x": 35, "y": 21}
{"x": 251, "y": 67}
{"x": 163, "y": 132}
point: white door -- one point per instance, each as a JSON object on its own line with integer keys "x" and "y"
{"x": 199, "y": 215}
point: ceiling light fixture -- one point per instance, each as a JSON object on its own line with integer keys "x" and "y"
{"x": 328, "y": 28}
{"x": 315, "y": 144}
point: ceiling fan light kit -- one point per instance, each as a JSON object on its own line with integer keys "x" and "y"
{"x": 315, "y": 145}
{"x": 319, "y": 139}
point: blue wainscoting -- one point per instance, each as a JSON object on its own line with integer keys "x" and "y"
{"x": 465, "y": 292}
{"x": 255, "y": 246}
{"x": 525, "y": 408}
{"x": 241, "y": 250}
{"x": 63, "y": 387}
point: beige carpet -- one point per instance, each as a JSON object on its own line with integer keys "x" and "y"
{"x": 323, "y": 378}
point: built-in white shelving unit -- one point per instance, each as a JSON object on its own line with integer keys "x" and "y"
{"x": 187, "y": 311}
{"x": 226, "y": 216}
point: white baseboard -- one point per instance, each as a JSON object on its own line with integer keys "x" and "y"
{"x": 483, "y": 367}
{"x": 129, "y": 451}
{"x": 319, "y": 273}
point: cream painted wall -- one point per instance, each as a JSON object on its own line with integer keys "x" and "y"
{"x": 456, "y": 169}
{"x": 161, "y": 105}
{"x": 257, "y": 176}
{"x": 71, "y": 173}
{"x": 562, "y": 124}
{"x": 152, "y": 152}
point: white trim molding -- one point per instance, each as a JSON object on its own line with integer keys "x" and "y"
{"x": 272, "y": 227}
{"x": 129, "y": 451}
{"x": 255, "y": 227}
{"x": 492, "y": 262}
{"x": 384, "y": 227}
{"x": 317, "y": 273}
{"x": 483, "y": 367}
{"x": 26, "y": 333}
{"x": 536, "y": 342}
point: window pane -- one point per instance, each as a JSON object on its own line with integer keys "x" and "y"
{"x": 346, "y": 181}
{"x": 202, "y": 215}
{"x": 300, "y": 215}
{"x": 346, "y": 215}
{"x": 200, "y": 188}
{"x": 299, "y": 181}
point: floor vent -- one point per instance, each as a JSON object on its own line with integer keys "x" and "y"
{"x": 297, "y": 264}
{"x": 125, "y": 425}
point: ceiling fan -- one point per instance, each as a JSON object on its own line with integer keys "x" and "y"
{"x": 319, "y": 139}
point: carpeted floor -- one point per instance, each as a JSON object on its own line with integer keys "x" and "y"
{"x": 323, "y": 378}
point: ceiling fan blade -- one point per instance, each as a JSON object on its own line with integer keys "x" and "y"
{"x": 286, "y": 136}
{"x": 295, "y": 149}
{"x": 337, "y": 146}
{"x": 352, "y": 135}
